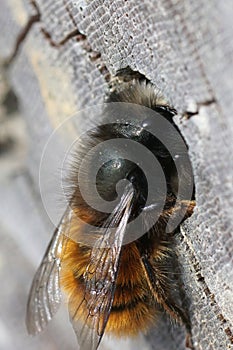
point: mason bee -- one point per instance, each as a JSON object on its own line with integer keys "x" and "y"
{"x": 112, "y": 286}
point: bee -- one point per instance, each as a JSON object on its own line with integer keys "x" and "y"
{"x": 113, "y": 287}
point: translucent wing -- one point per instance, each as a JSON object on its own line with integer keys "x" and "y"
{"x": 100, "y": 278}
{"x": 45, "y": 296}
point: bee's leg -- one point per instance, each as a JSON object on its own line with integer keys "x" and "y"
{"x": 183, "y": 210}
{"x": 160, "y": 286}
{"x": 187, "y": 207}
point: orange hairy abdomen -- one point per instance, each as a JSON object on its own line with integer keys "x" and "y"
{"x": 132, "y": 310}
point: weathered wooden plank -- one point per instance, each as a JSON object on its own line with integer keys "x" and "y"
{"x": 185, "y": 49}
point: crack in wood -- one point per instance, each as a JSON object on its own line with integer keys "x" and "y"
{"x": 24, "y": 33}
{"x": 229, "y": 334}
{"x": 75, "y": 33}
{"x": 210, "y": 296}
{"x": 93, "y": 55}
{"x": 189, "y": 114}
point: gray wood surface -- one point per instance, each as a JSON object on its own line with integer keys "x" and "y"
{"x": 185, "y": 48}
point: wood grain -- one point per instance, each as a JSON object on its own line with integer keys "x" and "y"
{"x": 183, "y": 47}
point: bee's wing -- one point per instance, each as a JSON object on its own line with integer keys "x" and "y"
{"x": 45, "y": 296}
{"x": 100, "y": 278}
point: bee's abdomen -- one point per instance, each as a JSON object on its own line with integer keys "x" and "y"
{"x": 132, "y": 309}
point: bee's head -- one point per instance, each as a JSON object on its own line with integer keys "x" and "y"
{"x": 124, "y": 151}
